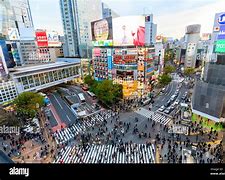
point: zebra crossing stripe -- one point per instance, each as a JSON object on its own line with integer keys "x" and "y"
{"x": 64, "y": 155}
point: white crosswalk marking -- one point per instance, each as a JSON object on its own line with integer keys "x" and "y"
{"x": 103, "y": 154}
{"x": 154, "y": 116}
{"x": 69, "y": 133}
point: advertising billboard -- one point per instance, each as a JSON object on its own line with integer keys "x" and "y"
{"x": 3, "y": 66}
{"x": 221, "y": 34}
{"x": 7, "y": 56}
{"x": 219, "y": 21}
{"x": 128, "y": 31}
{"x": 159, "y": 39}
{"x": 96, "y": 52}
{"x": 150, "y": 70}
{"x": 53, "y": 39}
{"x": 102, "y": 32}
{"x": 42, "y": 39}
{"x": 110, "y": 64}
{"x": 220, "y": 46}
{"x": 13, "y": 34}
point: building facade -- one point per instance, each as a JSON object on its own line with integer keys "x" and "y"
{"x": 15, "y": 14}
{"x": 192, "y": 38}
{"x": 34, "y": 78}
{"x": 76, "y": 17}
{"x": 209, "y": 93}
{"x": 107, "y": 12}
{"x": 8, "y": 91}
{"x": 132, "y": 67}
{"x": 151, "y": 30}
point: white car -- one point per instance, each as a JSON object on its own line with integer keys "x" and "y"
{"x": 177, "y": 102}
{"x": 162, "y": 108}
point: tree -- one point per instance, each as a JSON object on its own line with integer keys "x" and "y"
{"x": 8, "y": 118}
{"x": 89, "y": 80}
{"x": 107, "y": 92}
{"x": 169, "y": 55}
{"x": 169, "y": 69}
{"x": 26, "y": 104}
{"x": 164, "y": 79}
{"x": 189, "y": 71}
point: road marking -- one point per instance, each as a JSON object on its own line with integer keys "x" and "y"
{"x": 57, "y": 101}
{"x": 68, "y": 118}
{"x": 168, "y": 93}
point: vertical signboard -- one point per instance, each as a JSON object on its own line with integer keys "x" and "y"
{"x": 110, "y": 64}
{"x": 3, "y": 66}
{"x": 42, "y": 39}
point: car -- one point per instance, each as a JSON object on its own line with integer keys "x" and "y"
{"x": 184, "y": 97}
{"x": 167, "y": 103}
{"x": 177, "y": 102}
{"x": 162, "y": 108}
{"x": 173, "y": 97}
{"x": 163, "y": 90}
{"x": 168, "y": 110}
{"x": 172, "y": 107}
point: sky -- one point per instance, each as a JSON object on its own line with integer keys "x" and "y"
{"x": 171, "y": 16}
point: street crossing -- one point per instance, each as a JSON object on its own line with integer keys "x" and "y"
{"x": 69, "y": 133}
{"x": 154, "y": 116}
{"x": 107, "y": 154}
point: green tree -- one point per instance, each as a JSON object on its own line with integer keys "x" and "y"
{"x": 169, "y": 69}
{"x": 164, "y": 79}
{"x": 189, "y": 71}
{"x": 169, "y": 55}
{"x": 89, "y": 80}
{"x": 26, "y": 104}
{"x": 107, "y": 92}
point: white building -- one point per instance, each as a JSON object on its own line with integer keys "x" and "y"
{"x": 192, "y": 38}
{"x": 8, "y": 91}
{"x": 77, "y": 16}
{"x": 34, "y": 78}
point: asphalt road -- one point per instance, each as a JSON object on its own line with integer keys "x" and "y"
{"x": 63, "y": 110}
{"x": 170, "y": 90}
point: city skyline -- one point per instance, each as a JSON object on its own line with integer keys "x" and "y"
{"x": 187, "y": 12}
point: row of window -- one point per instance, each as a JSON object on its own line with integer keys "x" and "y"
{"x": 43, "y": 78}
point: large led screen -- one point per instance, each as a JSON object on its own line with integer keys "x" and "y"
{"x": 102, "y": 32}
{"x": 129, "y": 30}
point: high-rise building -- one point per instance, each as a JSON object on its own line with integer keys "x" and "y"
{"x": 209, "y": 93}
{"x": 77, "y": 16}
{"x": 14, "y": 14}
{"x": 150, "y": 30}
{"x": 192, "y": 38}
{"x": 107, "y": 12}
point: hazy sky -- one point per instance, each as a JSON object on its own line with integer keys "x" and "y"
{"x": 171, "y": 16}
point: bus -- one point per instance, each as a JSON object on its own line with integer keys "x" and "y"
{"x": 81, "y": 97}
{"x": 91, "y": 94}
